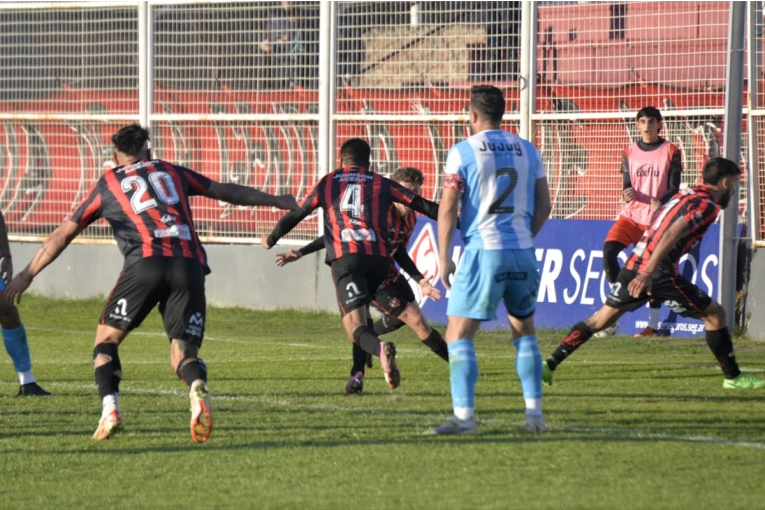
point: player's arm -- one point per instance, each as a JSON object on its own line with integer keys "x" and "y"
{"x": 48, "y": 252}
{"x": 447, "y": 224}
{"x": 293, "y": 255}
{"x": 628, "y": 192}
{"x": 642, "y": 282}
{"x": 406, "y": 263}
{"x": 542, "y": 205}
{"x": 244, "y": 195}
{"x": 675, "y": 176}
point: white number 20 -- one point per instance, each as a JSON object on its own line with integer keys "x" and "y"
{"x": 163, "y": 185}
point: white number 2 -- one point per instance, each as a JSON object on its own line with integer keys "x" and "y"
{"x": 351, "y": 200}
{"x": 163, "y": 185}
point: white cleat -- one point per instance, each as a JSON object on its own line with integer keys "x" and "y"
{"x": 609, "y": 331}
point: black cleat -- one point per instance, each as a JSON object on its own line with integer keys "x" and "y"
{"x": 32, "y": 389}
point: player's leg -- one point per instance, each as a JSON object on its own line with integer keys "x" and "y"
{"x": 617, "y": 304}
{"x": 134, "y": 295}
{"x": 468, "y": 306}
{"x": 354, "y": 275}
{"x": 687, "y": 300}
{"x": 16, "y": 345}
{"x": 183, "y": 313}
{"x": 395, "y": 298}
{"x": 621, "y": 234}
{"x": 654, "y": 316}
{"x": 520, "y": 279}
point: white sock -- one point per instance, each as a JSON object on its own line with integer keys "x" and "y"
{"x": 110, "y": 404}
{"x": 463, "y": 413}
{"x": 534, "y": 406}
{"x": 654, "y": 314}
{"x": 26, "y": 377}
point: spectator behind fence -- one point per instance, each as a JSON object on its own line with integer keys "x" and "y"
{"x": 502, "y": 43}
{"x": 289, "y": 48}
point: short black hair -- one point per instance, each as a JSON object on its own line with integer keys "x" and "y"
{"x": 488, "y": 101}
{"x": 408, "y": 174}
{"x": 717, "y": 168}
{"x": 650, "y": 112}
{"x": 355, "y": 152}
{"x": 130, "y": 139}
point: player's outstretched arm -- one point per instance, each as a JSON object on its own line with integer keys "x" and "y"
{"x": 244, "y": 195}
{"x": 48, "y": 252}
{"x": 293, "y": 255}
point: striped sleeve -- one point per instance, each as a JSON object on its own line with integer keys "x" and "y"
{"x": 700, "y": 213}
{"x": 90, "y": 208}
{"x": 198, "y": 183}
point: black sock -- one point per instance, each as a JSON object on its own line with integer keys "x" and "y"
{"x": 578, "y": 335}
{"x": 107, "y": 375}
{"x": 387, "y": 324}
{"x": 437, "y": 344}
{"x": 720, "y": 344}
{"x": 367, "y": 340}
{"x": 359, "y": 359}
{"x": 191, "y": 369}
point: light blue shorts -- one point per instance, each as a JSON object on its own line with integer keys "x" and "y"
{"x": 485, "y": 277}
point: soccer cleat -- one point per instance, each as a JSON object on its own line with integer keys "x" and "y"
{"x": 32, "y": 389}
{"x": 453, "y": 426}
{"x": 744, "y": 381}
{"x": 355, "y": 383}
{"x": 535, "y": 423}
{"x": 388, "y": 364}
{"x": 646, "y": 332}
{"x": 108, "y": 426}
{"x": 609, "y": 331}
{"x": 547, "y": 374}
{"x": 201, "y": 412}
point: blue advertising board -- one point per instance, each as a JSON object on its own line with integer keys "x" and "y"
{"x": 573, "y": 284}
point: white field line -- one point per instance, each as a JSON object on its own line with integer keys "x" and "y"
{"x": 436, "y": 417}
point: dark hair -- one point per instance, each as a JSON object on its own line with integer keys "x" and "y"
{"x": 650, "y": 112}
{"x": 130, "y": 139}
{"x": 355, "y": 152}
{"x": 488, "y": 101}
{"x": 408, "y": 174}
{"x": 717, "y": 168}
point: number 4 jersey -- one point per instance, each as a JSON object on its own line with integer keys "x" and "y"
{"x": 497, "y": 172}
{"x": 147, "y": 205}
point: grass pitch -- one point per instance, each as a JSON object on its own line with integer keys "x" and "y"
{"x": 634, "y": 423}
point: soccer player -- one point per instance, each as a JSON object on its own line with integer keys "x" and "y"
{"x": 394, "y": 297}
{"x": 498, "y": 182}
{"x": 146, "y": 201}
{"x": 651, "y": 172}
{"x": 652, "y": 272}
{"x": 356, "y": 203}
{"x": 14, "y": 334}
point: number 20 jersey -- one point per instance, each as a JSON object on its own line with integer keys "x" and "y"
{"x": 497, "y": 172}
{"x": 147, "y": 205}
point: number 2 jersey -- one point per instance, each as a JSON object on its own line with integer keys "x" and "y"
{"x": 497, "y": 173}
{"x": 147, "y": 205}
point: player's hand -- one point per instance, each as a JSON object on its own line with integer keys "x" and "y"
{"x": 287, "y": 202}
{"x": 628, "y": 195}
{"x": 6, "y": 269}
{"x": 655, "y": 205}
{"x": 18, "y": 285}
{"x": 286, "y": 258}
{"x": 447, "y": 271}
{"x": 640, "y": 285}
{"x": 264, "y": 243}
{"x": 429, "y": 290}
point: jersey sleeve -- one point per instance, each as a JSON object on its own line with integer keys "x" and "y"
{"x": 198, "y": 183}
{"x": 536, "y": 157}
{"x": 90, "y": 208}
{"x": 454, "y": 177}
{"x": 700, "y": 214}
{"x": 292, "y": 218}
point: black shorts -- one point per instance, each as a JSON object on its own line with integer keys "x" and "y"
{"x": 356, "y": 277}
{"x": 677, "y": 293}
{"x": 176, "y": 284}
{"x": 393, "y": 295}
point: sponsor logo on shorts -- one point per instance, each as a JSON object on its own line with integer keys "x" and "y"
{"x": 196, "y": 324}
{"x": 394, "y": 302}
{"x": 120, "y": 311}
{"x": 510, "y": 275}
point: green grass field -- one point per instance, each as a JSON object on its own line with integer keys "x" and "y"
{"x": 633, "y": 424}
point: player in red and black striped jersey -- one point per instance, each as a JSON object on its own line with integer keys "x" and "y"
{"x": 146, "y": 202}
{"x": 652, "y": 272}
{"x": 394, "y": 297}
{"x": 356, "y": 203}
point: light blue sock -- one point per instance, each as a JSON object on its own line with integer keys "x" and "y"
{"x": 16, "y": 346}
{"x": 463, "y": 373}
{"x": 528, "y": 364}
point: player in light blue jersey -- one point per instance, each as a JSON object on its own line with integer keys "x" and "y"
{"x": 498, "y": 182}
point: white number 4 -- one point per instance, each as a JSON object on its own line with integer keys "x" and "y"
{"x": 351, "y": 201}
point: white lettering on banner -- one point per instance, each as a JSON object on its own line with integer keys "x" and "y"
{"x": 590, "y": 275}
{"x": 690, "y": 259}
{"x": 570, "y": 298}
{"x": 553, "y": 265}
{"x": 712, "y": 259}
